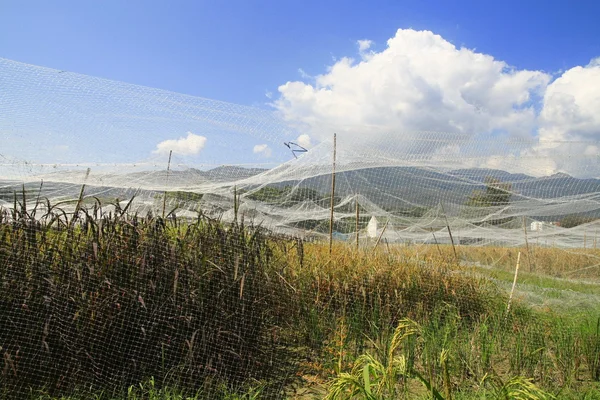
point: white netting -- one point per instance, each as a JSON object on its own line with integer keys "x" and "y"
{"x": 78, "y": 142}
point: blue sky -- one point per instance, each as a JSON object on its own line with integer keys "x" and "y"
{"x": 238, "y": 50}
{"x": 525, "y": 69}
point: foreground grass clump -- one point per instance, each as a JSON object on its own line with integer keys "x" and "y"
{"x": 105, "y": 303}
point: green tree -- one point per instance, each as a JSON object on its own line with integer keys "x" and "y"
{"x": 496, "y": 193}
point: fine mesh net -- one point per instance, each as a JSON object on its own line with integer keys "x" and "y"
{"x": 157, "y": 241}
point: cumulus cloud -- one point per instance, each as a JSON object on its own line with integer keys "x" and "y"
{"x": 263, "y": 150}
{"x": 304, "y": 141}
{"x": 192, "y": 144}
{"x": 570, "y": 120}
{"x": 571, "y": 105}
{"x": 423, "y": 96}
{"x": 364, "y": 45}
{"x": 420, "y": 82}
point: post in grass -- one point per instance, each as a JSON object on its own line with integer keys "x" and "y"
{"x": 332, "y": 197}
{"x": 512, "y": 290}
{"x": 166, "y": 183}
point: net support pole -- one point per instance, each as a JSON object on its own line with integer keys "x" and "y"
{"x": 332, "y": 197}
{"x": 164, "y": 207}
{"x": 531, "y": 266}
{"x": 357, "y": 217}
{"x": 512, "y": 290}
{"x": 450, "y": 233}
{"x": 381, "y": 234}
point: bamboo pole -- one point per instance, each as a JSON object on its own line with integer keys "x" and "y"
{"x": 450, "y": 233}
{"x": 166, "y": 183}
{"x": 436, "y": 243}
{"x": 236, "y": 205}
{"x": 357, "y": 217}
{"x": 332, "y": 197}
{"x": 381, "y": 234}
{"x": 531, "y": 266}
{"x": 512, "y": 291}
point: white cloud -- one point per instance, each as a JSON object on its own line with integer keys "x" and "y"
{"x": 364, "y": 45}
{"x": 304, "y": 141}
{"x": 570, "y": 120}
{"x": 420, "y": 82}
{"x": 192, "y": 144}
{"x": 263, "y": 150}
{"x": 571, "y": 105}
{"x": 303, "y": 74}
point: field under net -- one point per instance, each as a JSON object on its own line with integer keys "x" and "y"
{"x": 154, "y": 243}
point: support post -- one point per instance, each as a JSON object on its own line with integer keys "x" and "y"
{"x": 450, "y": 234}
{"x": 512, "y": 291}
{"x": 531, "y": 266}
{"x": 332, "y": 197}
{"x": 357, "y": 217}
{"x": 166, "y": 183}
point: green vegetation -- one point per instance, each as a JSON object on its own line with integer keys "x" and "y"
{"x": 287, "y": 194}
{"x": 496, "y": 193}
{"x": 573, "y": 220}
{"x": 130, "y": 307}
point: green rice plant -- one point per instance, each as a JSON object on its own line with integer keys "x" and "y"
{"x": 384, "y": 374}
{"x": 526, "y": 347}
{"x": 590, "y": 333}
{"x": 438, "y": 336}
{"x": 515, "y": 388}
{"x": 565, "y": 351}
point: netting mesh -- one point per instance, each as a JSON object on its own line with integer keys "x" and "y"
{"x": 157, "y": 241}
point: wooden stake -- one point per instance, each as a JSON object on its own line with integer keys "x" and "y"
{"x": 166, "y": 183}
{"x": 512, "y": 291}
{"x": 450, "y": 233}
{"x": 531, "y": 266}
{"x": 436, "y": 243}
{"x": 332, "y": 197}
{"x": 235, "y": 204}
{"x": 381, "y": 234}
{"x": 357, "y": 217}
{"x": 24, "y": 206}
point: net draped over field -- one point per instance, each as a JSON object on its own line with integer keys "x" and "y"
{"x": 83, "y": 143}
{"x": 413, "y": 183}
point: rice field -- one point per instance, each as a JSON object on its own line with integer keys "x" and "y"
{"x": 125, "y": 306}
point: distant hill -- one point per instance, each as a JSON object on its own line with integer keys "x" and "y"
{"x": 391, "y": 188}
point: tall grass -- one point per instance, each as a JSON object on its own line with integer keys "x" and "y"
{"x": 96, "y": 303}
{"x": 106, "y": 302}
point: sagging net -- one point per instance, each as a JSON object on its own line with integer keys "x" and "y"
{"x": 157, "y": 241}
